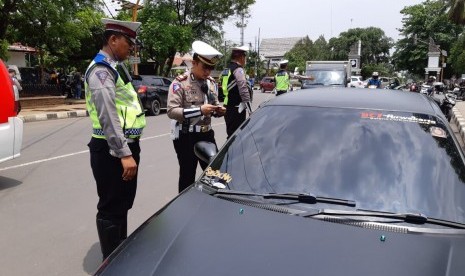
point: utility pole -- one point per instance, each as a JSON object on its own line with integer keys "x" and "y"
{"x": 126, "y": 5}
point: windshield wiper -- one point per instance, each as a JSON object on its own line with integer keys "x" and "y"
{"x": 406, "y": 217}
{"x": 299, "y": 197}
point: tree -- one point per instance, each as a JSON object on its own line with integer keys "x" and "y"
{"x": 420, "y": 23}
{"x": 456, "y": 11}
{"x": 300, "y": 54}
{"x": 170, "y": 26}
{"x": 375, "y": 44}
{"x": 457, "y": 56}
{"x": 60, "y": 30}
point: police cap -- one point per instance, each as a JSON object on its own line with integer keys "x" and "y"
{"x": 206, "y": 53}
{"x": 127, "y": 28}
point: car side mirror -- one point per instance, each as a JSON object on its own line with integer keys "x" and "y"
{"x": 205, "y": 151}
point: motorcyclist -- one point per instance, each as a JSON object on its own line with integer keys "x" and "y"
{"x": 374, "y": 80}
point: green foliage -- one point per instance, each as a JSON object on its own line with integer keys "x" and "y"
{"x": 423, "y": 21}
{"x": 3, "y": 49}
{"x": 375, "y": 45}
{"x": 384, "y": 69}
{"x": 62, "y": 31}
{"x": 170, "y": 26}
{"x": 456, "y": 11}
{"x": 457, "y": 56}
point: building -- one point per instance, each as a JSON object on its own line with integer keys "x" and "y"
{"x": 19, "y": 55}
{"x": 272, "y": 50}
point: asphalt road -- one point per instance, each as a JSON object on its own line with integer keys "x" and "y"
{"x": 48, "y": 195}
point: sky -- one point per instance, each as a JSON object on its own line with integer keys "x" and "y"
{"x": 299, "y": 18}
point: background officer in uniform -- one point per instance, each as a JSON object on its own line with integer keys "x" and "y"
{"x": 192, "y": 100}
{"x": 282, "y": 79}
{"x": 237, "y": 94}
{"x": 117, "y": 121}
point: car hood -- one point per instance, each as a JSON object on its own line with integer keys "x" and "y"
{"x": 197, "y": 234}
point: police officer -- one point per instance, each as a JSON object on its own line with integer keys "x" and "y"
{"x": 237, "y": 91}
{"x": 192, "y": 101}
{"x": 282, "y": 79}
{"x": 117, "y": 122}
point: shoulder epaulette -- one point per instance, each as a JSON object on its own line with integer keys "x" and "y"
{"x": 181, "y": 77}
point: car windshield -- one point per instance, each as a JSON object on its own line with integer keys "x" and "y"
{"x": 385, "y": 161}
{"x": 325, "y": 77}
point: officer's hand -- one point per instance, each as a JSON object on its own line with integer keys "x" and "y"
{"x": 207, "y": 109}
{"x": 220, "y": 110}
{"x": 129, "y": 168}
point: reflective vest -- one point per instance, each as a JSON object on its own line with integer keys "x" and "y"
{"x": 130, "y": 113}
{"x": 282, "y": 81}
{"x": 229, "y": 85}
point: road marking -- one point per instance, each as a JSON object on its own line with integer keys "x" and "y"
{"x": 75, "y": 153}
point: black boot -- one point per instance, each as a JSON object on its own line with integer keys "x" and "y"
{"x": 109, "y": 234}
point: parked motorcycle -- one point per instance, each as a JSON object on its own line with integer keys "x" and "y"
{"x": 446, "y": 101}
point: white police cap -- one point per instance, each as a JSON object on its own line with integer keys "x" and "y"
{"x": 127, "y": 28}
{"x": 242, "y": 48}
{"x": 284, "y": 62}
{"x": 206, "y": 53}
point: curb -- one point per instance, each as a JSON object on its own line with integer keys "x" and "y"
{"x": 54, "y": 115}
{"x": 459, "y": 121}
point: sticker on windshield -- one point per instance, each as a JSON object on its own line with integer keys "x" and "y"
{"x": 390, "y": 117}
{"x": 216, "y": 173}
{"x": 438, "y": 132}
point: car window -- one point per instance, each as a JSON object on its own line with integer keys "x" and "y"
{"x": 157, "y": 82}
{"x": 136, "y": 82}
{"x": 391, "y": 161}
{"x": 167, "y": 82}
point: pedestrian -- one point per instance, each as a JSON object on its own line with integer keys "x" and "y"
{"x": 117, "y": 121}
{"x": 237, "y": 95}
{"x": 14, "y": 79}
{"x": 192, "y": 101}
{"x": 16, "y": 91}
{"x": 282, "y": 79}
{"x": 77, "y": 79}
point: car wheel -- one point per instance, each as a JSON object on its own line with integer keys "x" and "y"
{"x": 262, "y": 89}
{"x": 155, "y": 107}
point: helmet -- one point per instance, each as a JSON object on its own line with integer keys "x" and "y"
{"x": 375, "y": 74}
{"x": 438, "y": 86}
{"x": 432, "y": 77}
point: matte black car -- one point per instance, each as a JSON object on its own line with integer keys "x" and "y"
{"x": 152, "y": 91}
{"x": 317, "y": 182}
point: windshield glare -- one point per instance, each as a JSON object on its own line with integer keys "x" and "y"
{"x": 386, "y": 161}
{"x": 325, "y": 77}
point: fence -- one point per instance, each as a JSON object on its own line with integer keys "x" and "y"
{"x": 31, "y": 90}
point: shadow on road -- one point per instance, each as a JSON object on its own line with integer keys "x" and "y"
{"x": 6, "y": 183}
{"x": 93, "y": 259}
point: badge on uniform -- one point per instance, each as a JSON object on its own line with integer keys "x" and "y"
{"x": 102, "y": 75}
{"x": 176, "y": 87}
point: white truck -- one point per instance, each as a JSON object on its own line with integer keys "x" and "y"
{"x": 327, "y": 73}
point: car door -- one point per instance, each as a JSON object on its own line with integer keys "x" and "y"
{"x": 163, "y": 85}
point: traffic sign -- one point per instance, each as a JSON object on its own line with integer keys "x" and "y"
{"x": 134, "y": 60}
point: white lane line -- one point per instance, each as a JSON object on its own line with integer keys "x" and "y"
{"x": 74, "y": 153}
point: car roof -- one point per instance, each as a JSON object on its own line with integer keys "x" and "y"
{"x": 340, "y": 97}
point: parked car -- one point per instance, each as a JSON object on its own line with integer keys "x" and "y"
{"x": 355, "y": 183}
{"x": 152, "y": 91}
{"x": 356, "y": 82}
{"x": 267, "y": 84}
{"x": 11, "y": 127}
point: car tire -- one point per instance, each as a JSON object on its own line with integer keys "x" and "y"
{"x": 155, "y": 107}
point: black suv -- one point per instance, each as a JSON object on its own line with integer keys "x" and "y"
{"x": 152, "y": 91}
